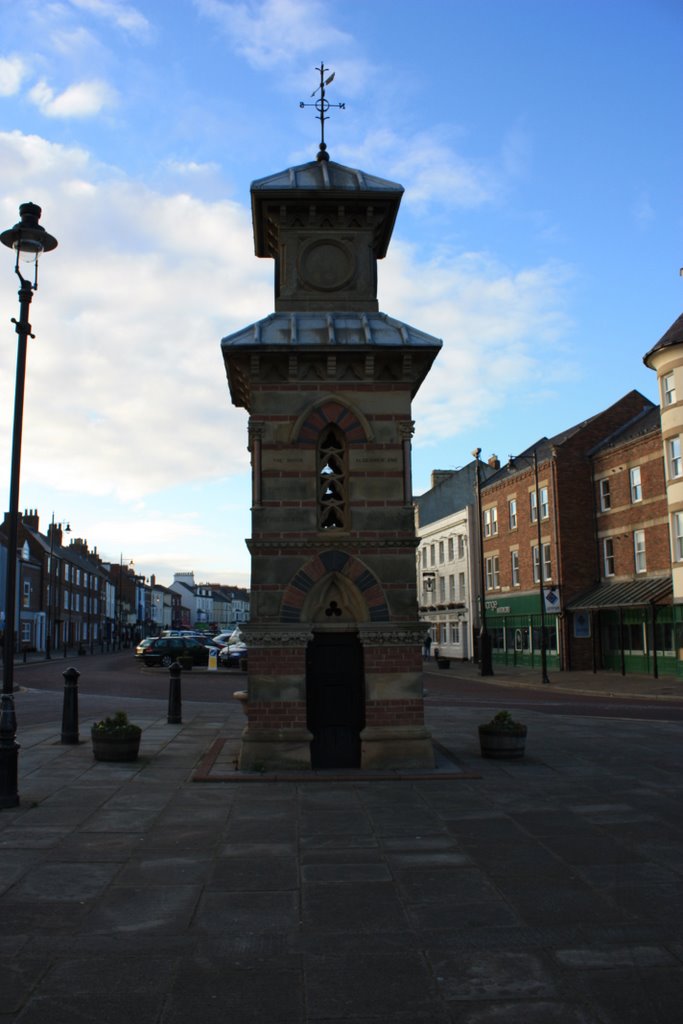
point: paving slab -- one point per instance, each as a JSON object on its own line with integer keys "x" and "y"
{"x": 548, "y": 892}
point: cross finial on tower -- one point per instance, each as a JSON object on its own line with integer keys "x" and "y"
{"x": 322, "y": 105}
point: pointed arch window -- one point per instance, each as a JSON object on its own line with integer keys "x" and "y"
{"x": 332, "y": 480}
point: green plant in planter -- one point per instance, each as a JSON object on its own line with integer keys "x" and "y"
{"x": 115, "y": 738}
{"x": 505, "y": 723}
{"x": 502, "y": 736}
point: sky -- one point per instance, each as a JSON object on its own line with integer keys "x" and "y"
{"x": 539, "y": 144}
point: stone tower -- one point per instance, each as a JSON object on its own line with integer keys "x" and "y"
{"x": 334, "y": 638}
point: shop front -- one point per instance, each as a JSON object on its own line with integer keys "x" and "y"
{"x": 517, "y": 627}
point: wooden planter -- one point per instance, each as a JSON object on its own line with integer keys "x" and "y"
{"x": 502, "y": 744}
{"x": 110, "y": 747}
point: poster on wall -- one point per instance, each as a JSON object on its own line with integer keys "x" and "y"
{"x": 582, "y": 625}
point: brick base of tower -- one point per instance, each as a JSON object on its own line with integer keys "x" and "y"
{"x": 277, "y": 738}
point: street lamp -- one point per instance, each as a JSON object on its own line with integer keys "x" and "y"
{"x": 532, "y": 460}
{"x": 131, "y": 565}
{"x": 28, "y": 239}
{"x": 51, "y": 599}
{"x": 485, "y": 659}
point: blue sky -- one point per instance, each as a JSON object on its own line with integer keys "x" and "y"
{"x": 539, "y": 145}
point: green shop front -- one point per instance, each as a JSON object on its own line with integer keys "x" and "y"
{"x": 629, "y": 627}
{"x": 516, "y": 627}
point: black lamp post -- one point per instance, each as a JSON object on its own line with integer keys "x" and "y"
{"x": 485, "y": 658}
{"x": 51, "y": 584}
{"x": 28, "y": 239}
{"x": 532, "y": 460}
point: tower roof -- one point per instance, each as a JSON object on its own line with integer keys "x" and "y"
{"x": 674, "y": 336}
{"x": 324, "y": 181}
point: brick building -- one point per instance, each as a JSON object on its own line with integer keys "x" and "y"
{"x": 625, "y": 621}
{"x": 548, "y": 490}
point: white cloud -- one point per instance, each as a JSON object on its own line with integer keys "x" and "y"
{"x": 276, "y": 32}
{"x": 191, "y": 168}
{"x": 430, "y": 170}
{"x": 126, "y": 390}
{"x": 84, "y": 99}
{"x": 126, "y": 394}
{"x": 12, "y": 73}
{"x": 501, "y": 329}
{"x": 123, "y": 16}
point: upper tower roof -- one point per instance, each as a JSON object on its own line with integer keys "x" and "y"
{"x": 333, "y": 185}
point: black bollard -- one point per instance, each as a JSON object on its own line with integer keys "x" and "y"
{"x": 70, "y": 709}
{"x": 175, "y": 716}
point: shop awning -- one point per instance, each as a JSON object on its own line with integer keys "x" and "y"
{"x": 632, "y": 594}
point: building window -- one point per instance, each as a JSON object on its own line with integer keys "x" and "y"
{"x": 66, "y": 572}
{"x": 547, "y": 573}
{"x": 605, "y": 496}
{"x": 678, "y": 536}
{"x": 442, "y": 589}
{"x": 545, "y": 508}
{"x": 432, "y": 554}
{"x": 332, "y": 481}
{"x": 26, "y": 637}
{"x": 608, "y": 556}
{"x": 512, "y": 511}
{"x": 27, "y": 594}
{"x": 451, "y": 549}
{"x": 455, "y": 632}
{"x": 675, "y": 465}
{"x": 533, "y": 511}
{"x": 441, "y": 552}
{"x": 669, "y": 389}
{"x": 451, "y": 588}
{"x": 461, "y": 585}
{"x": 461, "y": 546}
{"x": 490, "y": 522}
{"x": 492, "y": 573}
{"x": 639, "y": 550}
{"x": 66, "y": 598}
{"x": 514, "y": 565}
{"x": 636, "y": 485}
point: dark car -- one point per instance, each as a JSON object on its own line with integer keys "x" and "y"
{"x": 232, "y": 655}
{"x": 167, "y": 649}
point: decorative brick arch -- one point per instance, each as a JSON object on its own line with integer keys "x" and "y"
{"x": 307, "y": 428}
{"x": 345, "y": 565}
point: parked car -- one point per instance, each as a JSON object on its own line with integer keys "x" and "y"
{"x": 231, "y": 655}
{"x": 221, "y": 639}
{"x": 143, "y": 645}
{"x": 166, "y": 649}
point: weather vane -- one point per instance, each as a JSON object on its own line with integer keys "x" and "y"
{"x": 322, "y": 105}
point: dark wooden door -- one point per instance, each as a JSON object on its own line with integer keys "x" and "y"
{"x": 335, "y": 699}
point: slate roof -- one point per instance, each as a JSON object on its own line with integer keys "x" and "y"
{"x": 292, "y": 330}
{"x": 674, "y": 336}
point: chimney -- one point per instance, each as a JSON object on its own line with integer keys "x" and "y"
{"x": 31, "y": 518}
{"x": 493, "y": 461}
{"x": 57, "y": 534}
{"x": 439, "y": 475}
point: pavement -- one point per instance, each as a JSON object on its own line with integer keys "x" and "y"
{"x": 542, "y": 891}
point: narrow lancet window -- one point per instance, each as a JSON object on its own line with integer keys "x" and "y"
{"x": 332, "y": 509}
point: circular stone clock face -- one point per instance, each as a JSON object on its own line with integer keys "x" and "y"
{"x": 326, "y": 265}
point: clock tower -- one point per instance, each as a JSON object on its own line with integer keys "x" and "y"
{"x": 334, "y": 641}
